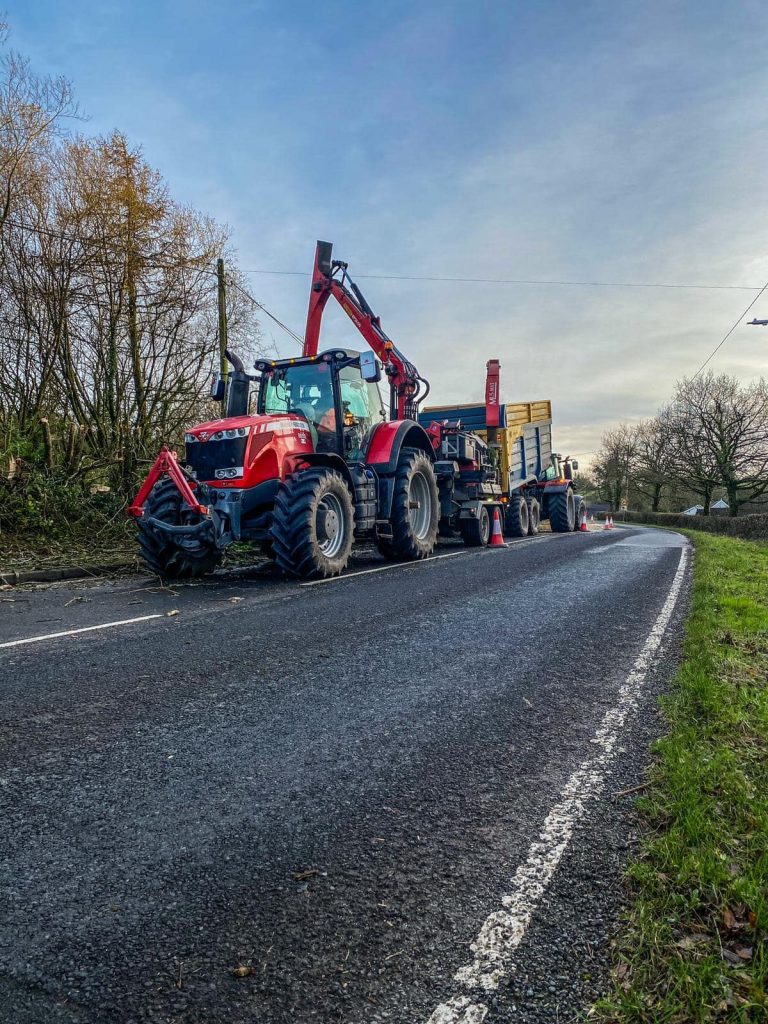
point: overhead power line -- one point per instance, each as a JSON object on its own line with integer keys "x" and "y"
{"x": 720, "y": 344}
{"x": 526, "y": 281}
{"x": 260, "y": 305}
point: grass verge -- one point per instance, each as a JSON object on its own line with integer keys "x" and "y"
{"x": 694, "y": 941}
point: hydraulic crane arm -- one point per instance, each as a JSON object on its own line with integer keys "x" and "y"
{"x": 330, "y": 277}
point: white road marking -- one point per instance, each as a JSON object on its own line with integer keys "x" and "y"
{"x": 432, "y": 558}
{"x": 83, "y": 629}
{"x": 459, "y": 1010}
{"x": 383, "y": 568}
{"x": 503, "y": 930}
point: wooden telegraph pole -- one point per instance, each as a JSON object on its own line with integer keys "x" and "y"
{"x": 222, "y": 294}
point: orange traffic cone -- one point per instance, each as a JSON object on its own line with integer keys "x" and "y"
{"x": 497, "y": 538}
{"x": 610, "y": 522}
{"x": 607, "y": 522}
{"x": 583, "y": 524}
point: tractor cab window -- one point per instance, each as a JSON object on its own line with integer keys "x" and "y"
{"x": 307, "y": 389}
{"x": 361, "y": 408}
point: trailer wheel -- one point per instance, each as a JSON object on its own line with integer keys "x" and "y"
{"x": 516, "y": 517}
{"x": 562, "y": 511}
{"x": 313, "y": 524}
{"x": 476, "y": 532}
{"x": 534, "y": 517}
{"x": 415, "y": 509}
{"x": 578, "y": 501}
{"x": 185, "y": 558}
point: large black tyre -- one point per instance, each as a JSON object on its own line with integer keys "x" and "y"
{"x": 181, "y": 558}
{"x": 476, "y": 532}
{"x": 516, "y": 517}
{"x": 415, "y": 509}
{"x": 562, "y": 511}
{"x": 578, "y": 501}
{"x": 534, "y": 516}
{"x": 313, "y": 524}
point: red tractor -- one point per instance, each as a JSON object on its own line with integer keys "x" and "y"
{"x": 317, "y": 463}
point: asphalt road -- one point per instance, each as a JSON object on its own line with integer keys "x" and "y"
{"x": 305, "y": 803}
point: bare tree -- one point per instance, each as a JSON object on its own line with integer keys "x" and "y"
{"x": 722, "y": 437}
{"x": 33, "y": 108}
{"x": 652, "y": 460}
{"x": 613, "y": 466}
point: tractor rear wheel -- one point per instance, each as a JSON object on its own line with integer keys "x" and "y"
{"x": 562, "y": 511}
{"x": 182, "y": 557}
{"x": 476, "y": 532}
{"x": 313, "y": 524}
{"x": 415, "y": 509}
{"x": 534, "y": 517}
{"x": 516, "y": 517}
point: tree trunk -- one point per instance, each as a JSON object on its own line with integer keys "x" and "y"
{"x": 733, "y": 499}
{"x": 47, "y": 444}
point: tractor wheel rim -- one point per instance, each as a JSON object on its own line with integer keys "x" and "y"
{"x": 330, "y": 525}
{"x": 419, "y": 506}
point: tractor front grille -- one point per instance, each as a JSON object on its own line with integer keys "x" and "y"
{"x": 205, "y": 457}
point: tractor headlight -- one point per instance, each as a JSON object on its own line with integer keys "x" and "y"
{"x": 229, "y": 474}
{"x": 190, "y": 439}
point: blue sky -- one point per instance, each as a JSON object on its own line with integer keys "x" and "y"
{"x": 586, "y": 141}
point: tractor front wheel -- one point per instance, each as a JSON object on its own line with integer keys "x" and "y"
{"x": 415, "y": 509}
{"x": 562, "y": 511}
{"x": 313, "y": 524}
{"x": 176, "y": 557}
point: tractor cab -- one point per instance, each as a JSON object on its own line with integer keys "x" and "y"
{"x": 336, "y": 392}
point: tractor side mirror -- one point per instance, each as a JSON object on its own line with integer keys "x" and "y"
{"x": 218, "y": 388}
{"x": 370, "y": 367}
{"x": 575, "y": 463}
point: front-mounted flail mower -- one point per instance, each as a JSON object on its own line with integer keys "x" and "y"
{"x": 316, "y": 465}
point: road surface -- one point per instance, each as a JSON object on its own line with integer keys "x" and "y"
{"x": 387, "y": 797}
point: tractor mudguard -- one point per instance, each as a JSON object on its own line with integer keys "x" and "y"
{"x": 382, "y": 454}
{"x": 557, "y": 488}
{"x": 386, "y": 440}
{"x": 329, "y": 459}
{"x": 549, "y": 489}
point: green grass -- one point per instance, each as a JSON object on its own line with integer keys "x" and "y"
{"x": 694, "y": 942}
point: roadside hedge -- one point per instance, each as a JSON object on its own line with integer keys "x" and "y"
{"x": 754, "y": 527}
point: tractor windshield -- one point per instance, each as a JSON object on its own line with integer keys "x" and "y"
{"x": 306, "y": 388}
